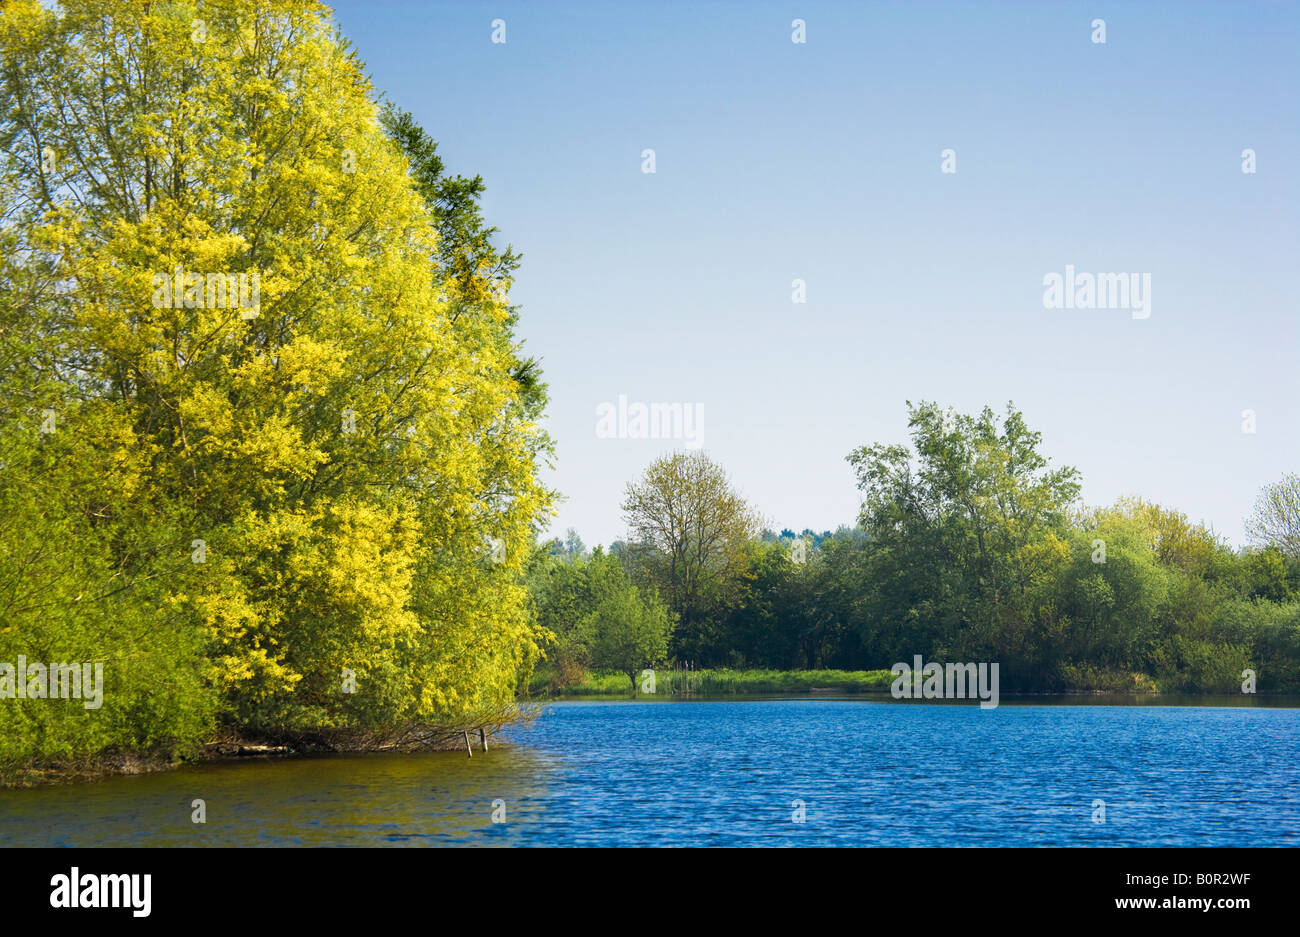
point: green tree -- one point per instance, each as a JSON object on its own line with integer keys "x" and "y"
{"x": 689, "y": 532}
{"x": 1276, "y": 519}
{"x": 560, "y": 587}
{"x": 595, "y": 616}
{"x": 1267, "y": 575}
{"x": 469, "y": 263}
{"x": 625, "y": 630}
{"x": 967, "y": 527}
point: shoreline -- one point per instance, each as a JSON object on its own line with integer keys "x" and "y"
{"x": 228, "y": 749}
{"x": 234, "y": 748}
{"x": 1064, "y": 697}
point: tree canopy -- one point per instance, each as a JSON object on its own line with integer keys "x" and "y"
{"x": 970, "y": 546}
{"x": 688, "y": 532}
{"x": 263, "y": 407}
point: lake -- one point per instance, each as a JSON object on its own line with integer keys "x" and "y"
{"x": 865, "y": 771}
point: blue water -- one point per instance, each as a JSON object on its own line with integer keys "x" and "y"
{"x": 868, "y": 773}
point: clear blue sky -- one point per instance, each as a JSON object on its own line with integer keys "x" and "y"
{"x": 821, "y": 161}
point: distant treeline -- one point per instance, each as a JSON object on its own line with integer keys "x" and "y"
{"x": 970, "y": 547}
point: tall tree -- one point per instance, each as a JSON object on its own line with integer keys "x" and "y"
{"x": 689, "y": 530}
{"x": 345, "y": 433}
{"x": 470, "y": 263}
{"x": 967, "y": 526}
{"x": 1276, "y": 520}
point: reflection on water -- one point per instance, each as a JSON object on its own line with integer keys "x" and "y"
{"x": 438, "y": 798}
{"x": 870, "y": 771}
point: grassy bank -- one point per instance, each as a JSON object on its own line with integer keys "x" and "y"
{"x": 547, "y": 682}
{"x": 718, "y": 682}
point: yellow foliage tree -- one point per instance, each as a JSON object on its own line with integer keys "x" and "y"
{"x": 244, "y": 280}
